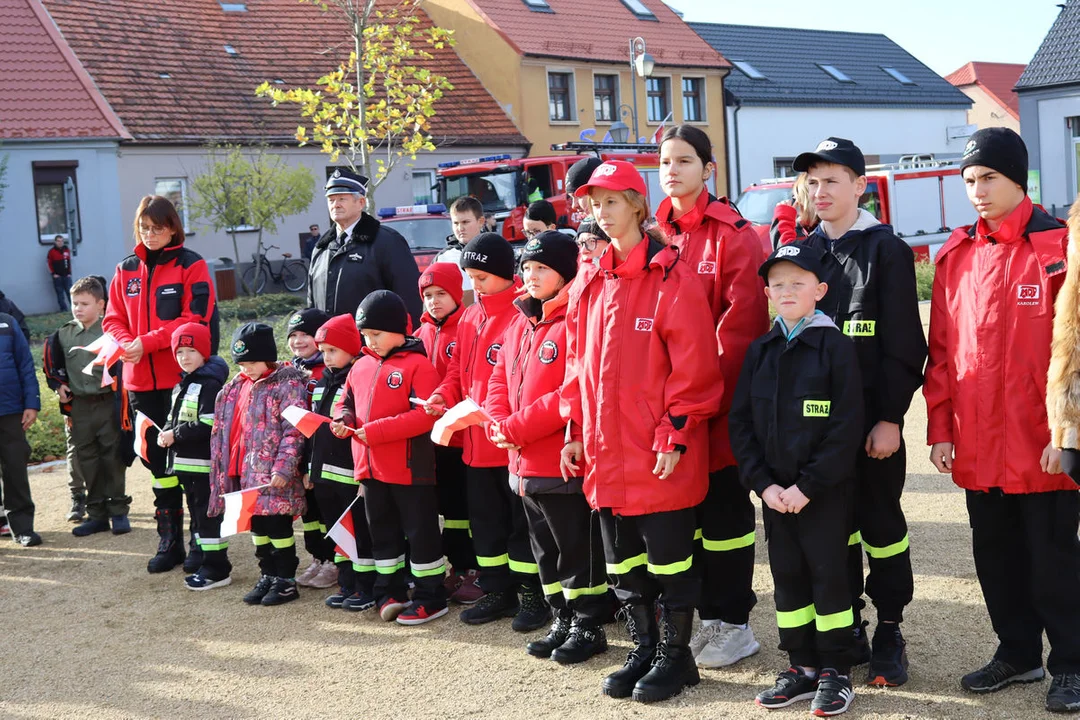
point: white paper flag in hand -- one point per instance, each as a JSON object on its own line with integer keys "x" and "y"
{"x": 303, "y": 420}
{"x": 239, "y": 508}
{"x": 106, "y": 352}
{"x": 459, "y": 417}
{"x": 343, "y": 533}
{"x": 142, "y": 426}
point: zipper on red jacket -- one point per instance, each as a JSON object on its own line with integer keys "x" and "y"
{"x": 435, "y": 345}
{"x": 149, "y": 286}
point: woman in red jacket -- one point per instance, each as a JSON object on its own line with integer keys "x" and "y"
{"x": 642, "y": 380}
{"x": 523, "y": 397}
{"x": 155, "y": 290}
{"x": 721, "y": 248}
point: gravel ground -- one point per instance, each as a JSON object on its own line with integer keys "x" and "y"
{"x": 90, "y": 634}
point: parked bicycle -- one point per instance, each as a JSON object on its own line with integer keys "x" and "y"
{"x": 293, "y": 274}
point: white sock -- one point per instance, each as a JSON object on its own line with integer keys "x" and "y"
{"x": 707, "y": 623}
{"x": 809, "y": 673}
{"x": 731, "y": 625}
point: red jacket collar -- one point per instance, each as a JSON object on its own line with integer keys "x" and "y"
{"x": 1012, "y": 228}
{"x": 448, "y": 322}
{"x": 689, "y": 221}
{"x": 173, "y": 247}
{"x": 550, "y": 309}
{"x": 493, "y": 304}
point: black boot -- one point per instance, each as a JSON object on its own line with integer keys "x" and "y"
{"x": 557, "y": 635}
{"x": 641, "y": 624}
{"x": 170, "y": 527}
{"x": 194, "y": 559}
{"x": 587, "y": 638}
{"x": 673, "y": 667}
{"x": 78, "y": 507}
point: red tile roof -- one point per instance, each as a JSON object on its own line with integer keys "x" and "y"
{"x": 44, "y": 92}
{"x": 598, "y": 30}
{"x": 128, "y": 45}
{"x": 997, "y": 79}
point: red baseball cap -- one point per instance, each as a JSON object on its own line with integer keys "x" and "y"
{"x": 445, "y": 275}
{"x": 615, "y": 175}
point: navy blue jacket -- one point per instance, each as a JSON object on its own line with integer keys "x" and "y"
{"x": 18, "y": 383}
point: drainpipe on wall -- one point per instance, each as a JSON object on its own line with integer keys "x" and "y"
{"x": 734, "y": 153}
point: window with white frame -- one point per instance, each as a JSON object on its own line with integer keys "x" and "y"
{"x": 605, "y": 97}
{"x": 175, "y": 191}
{"x": 422, "y": 181}
{"x": 658, "y": 92}
{"x": 560, "y": 93}
{"x": 693, "y": 99}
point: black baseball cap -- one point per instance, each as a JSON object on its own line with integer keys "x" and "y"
{"x": 837, "y": 151}
{"x": 805, "y": 256}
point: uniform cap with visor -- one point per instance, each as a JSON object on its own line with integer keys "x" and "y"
{"x": 345, "y": 182}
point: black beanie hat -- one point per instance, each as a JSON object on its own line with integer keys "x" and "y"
{"x": 590, "y": 226}
{"x": 254, "y": 342}
{"x": 383, "y": 310}
{"x": 556, "y": 250}
{"x": 308, "y": 320}
{"x": 581, "y": 172}
{"x": 491, "y": 253}
{"x": 999, "y": 149}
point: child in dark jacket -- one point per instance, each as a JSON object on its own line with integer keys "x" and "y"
{"x": 20, "y": 401}
{"x": 186, "y": 437}
{"x": 301, "y": 329}
{"x": 795, "y": 424}
{"x": 440, "y": 290}
{"x": 253, "y": 446}
{"x": 523, "y": 397}
{"x": 394, "y": 461}
{"x": 330, "y": 466}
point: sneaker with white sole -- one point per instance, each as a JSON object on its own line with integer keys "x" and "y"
{"x": 997, "y": 674}
{"x": 792, "y": 685}
{"x": 390, "y": 608}
{"x": 834, "y": 694}
{"x": 325, "y": 577}
{"x": 729, "y": 645}
{"x": 703, "y": 637}
{"x": 310, "y": 571}
{"x": 419, "y": 613}
{"x": 202, "y": 581}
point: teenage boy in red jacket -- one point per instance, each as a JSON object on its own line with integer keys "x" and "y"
{"x": 440, "y": 290}
{"x": 394, "y": 461}
{"x": 991, "y": 323}
{"x": 524, "y": 398}
{"x": 496, "y": 515}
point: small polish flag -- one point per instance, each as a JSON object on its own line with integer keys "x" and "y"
{"x": 459, "y": 417}
{"x": 239, "y": 507}
{"x": 659, "y": 134}
{"x": 344, "y": 534}
{"x": 142, "y": 426}
{"x": 106, "y": 352}
{"x": 305, "y": 421}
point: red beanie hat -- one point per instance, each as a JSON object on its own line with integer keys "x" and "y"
{"x": 192, "y": 335}
{"x": 445, "y": 275}
{"x": 340, "y": 331}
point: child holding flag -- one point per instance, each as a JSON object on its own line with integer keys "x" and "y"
{"x": 330, "y": 467}
{"x": 394, "y": 459}
{"x": 438, "y": 331}
{"x": 186, "y": 437}
{"x": 252, "y": 448}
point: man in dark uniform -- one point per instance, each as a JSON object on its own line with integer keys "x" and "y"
{"x": 358, "y": 254}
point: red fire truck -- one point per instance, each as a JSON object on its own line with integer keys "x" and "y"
{"x": 922, "y": 198}
{"x": 506, "y": 185}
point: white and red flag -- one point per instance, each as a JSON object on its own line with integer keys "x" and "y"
{"x": 343, "y": 533}
{"x": 303, "y": 420}
{"x": 239, "y": 507}
{"x": 106, "y": 352}
{"x": 142, "y": 426}
{"x": 659, "y": 134}
{"x": 459, "y": 417}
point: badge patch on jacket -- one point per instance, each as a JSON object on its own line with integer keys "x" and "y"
{"x": 450, "y": 348}
{"x": 355, "y": 257}
{"x": 394, "y": 380}
{"x": 134, "y": 285}
{"x": 816, "y": 408}
{"x": 493, "y": 353}
{"x": 706, "y": 267}
{"x": 549, "y": 352}
{"x": 643, "y": 324}
{"x": 1028, "y": 294}
{"x": 860, "y": 328}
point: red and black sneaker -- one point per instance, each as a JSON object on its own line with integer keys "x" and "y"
{"x": 390, "y": 608}
{"x": 419, "y": 613}
{"x": 792, "y": 685}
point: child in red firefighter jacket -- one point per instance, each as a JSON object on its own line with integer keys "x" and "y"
{"x": 394, "y": 460}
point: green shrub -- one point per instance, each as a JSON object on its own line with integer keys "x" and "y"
{"x": 924, "y": 278}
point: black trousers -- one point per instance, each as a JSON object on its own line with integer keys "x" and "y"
{"x": 883, "y": 534}
{"x": 396, "y": 513}
{"x": 333, "y": 498}
{"x": 275, "y": 545}
{"x": 1027, "y": 557}
{"x": 807, "y": 555}
{"x": 652, "y": 556}
{"x": 206, "y": 529}
{"x": 14, "y": 454}
{"x": 725, "y": 552}
{"x": 569, "y": 551}
{"x": 316, "y": 543}
{"x": 452, "y": 488}
{"x": 500, "y": 532}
